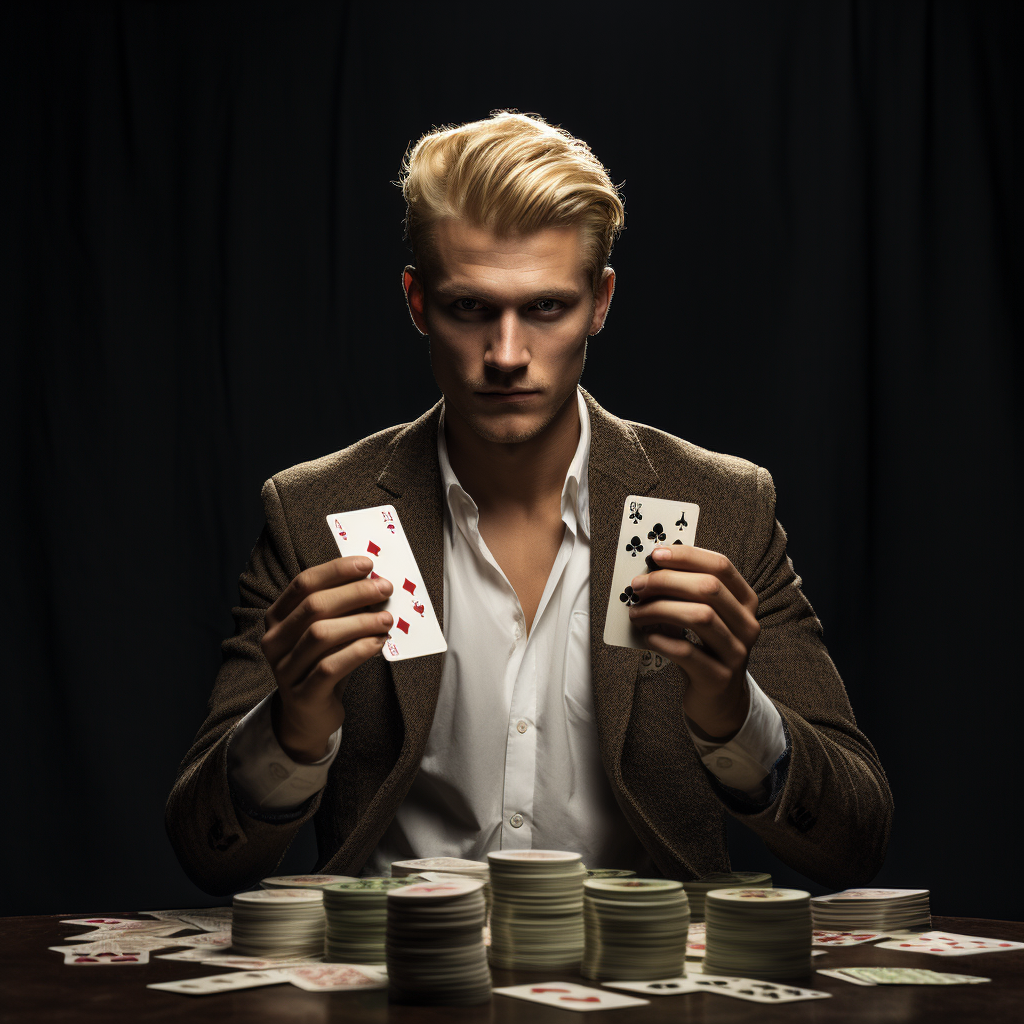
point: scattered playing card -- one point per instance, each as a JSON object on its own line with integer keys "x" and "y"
{"x": 102, "y": 922}
{"x": 154, "y": 928}
{"x": 646, "y": 522}
{"x": 910, "y": 976}
{"x": 209, "y": 919}
{"x": 754, "y": 991}
{"x": 948, "y": 943}
{"x": 569, "y": 996}
{"x": 77, "y": 957}
{"x": 824, "y": 938}
{"x": 843, "y": 976}
{"x": 209, "y": 984}
{"x": 377, "y": 532}
{"x": 336, "y": 977}
{"x": 665, "y": 987}
{"x": 205, "y": 940}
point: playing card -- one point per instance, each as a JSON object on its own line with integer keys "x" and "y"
{"x": 78, "y": 957}
{"x": 665, "y": 987}
{"x": 570, "y": 996}
{"x": 336, "y": 977}
{"x": 646, "y": 522}
{"x": 209, "y": 919}
{"x": 825, "y": 938}
{"x": 205, "y": 940}
{"x": 754, "y": 991}
{"x": 103, "y": 922}
{"x": 377, "y": 532}
{"x": 910, "y": 976}
{"x": 209, "y": 984}
{"x": 843, "y": 976}
{"x": 948, "y": 943}
{"x": 153, "y": 928}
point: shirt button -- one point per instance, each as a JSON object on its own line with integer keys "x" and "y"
{"x": 522, "y": 726}
{"x": 724, "y": 762}
{"x": 519, "y": 632}
{"x": 516, "y": 820}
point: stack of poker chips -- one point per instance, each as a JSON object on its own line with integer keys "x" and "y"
{"x": 698, "y": 889}
{"x": 435, "y": 949}
{"x": 872, "y": 910}
{"x": 304, "y": 881}
{"x": 357, "y": 914}
{"x": 278, "y": 922}
{"x": 537, "y": 909}
{"x": 635, "y": 928}
{"x": 758, "y": 933}
{"x": 610, "y": 873}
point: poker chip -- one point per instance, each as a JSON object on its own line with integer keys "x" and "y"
{"x": 634, "y": 929}
{"x": 450, "y": 865}
{"x": 761, "y": 933}
{"x": 537, "y": 909}
{"x": 356, "y": 919}
{"x": 304, "y": 881}
{"x": 610, "y": 873}
{"x": 872, "y": 910}
{"x": 698, "y": 889}
{"x": 434, "y": 946}
{"x": 278, "y": 922}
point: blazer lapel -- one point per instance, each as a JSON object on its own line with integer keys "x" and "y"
{"x": 412, "y": 479}
{"x": 618, "y": 467}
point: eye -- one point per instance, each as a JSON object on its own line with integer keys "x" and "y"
{"x": 547, "y": 305}
{"x": 467, "y": 305}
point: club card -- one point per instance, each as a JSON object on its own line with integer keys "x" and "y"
{"x": 646, "y": 522}
{"x": 336, "y": 977}
{"x": 948, "y": 943}
{"x": 209, "y": 984}
{"x": 754, "y": 991}
{"x": 665, "y": 987}
{"x": 377, "y": 532}
{"x": 825, "y": 938}
{"x": 910, "y": 976}
{"x": 118, "y": 957}
{"x": 569, "y": 996}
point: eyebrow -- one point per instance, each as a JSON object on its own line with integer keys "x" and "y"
{"x": 459, "y": 289}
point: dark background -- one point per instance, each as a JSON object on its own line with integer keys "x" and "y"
{"x": 204, "y": 250}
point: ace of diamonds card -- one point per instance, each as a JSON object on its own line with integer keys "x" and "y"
{"x": 378, "y": 534}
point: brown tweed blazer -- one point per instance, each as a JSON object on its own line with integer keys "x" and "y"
{"x": 831, "y": 820}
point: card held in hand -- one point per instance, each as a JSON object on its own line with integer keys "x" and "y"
{"x": 646, "y": 523}
{"x": 378, "y": 534}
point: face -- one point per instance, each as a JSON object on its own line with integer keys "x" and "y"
{"x": 508, "y": 320}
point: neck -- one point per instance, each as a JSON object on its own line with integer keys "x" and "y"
{"x": 524, "y": 475}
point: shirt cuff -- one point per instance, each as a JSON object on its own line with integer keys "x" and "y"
{"x": 263, "y": 774}
{"x": 746, "y": 761}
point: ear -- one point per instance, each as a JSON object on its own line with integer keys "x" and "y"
{"x": 602, "y": 300}
{"x": 415, "y": 297}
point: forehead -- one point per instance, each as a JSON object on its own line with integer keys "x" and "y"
{"x": 468, "y": 256}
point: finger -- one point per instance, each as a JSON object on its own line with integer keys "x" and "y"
{"x": 702, "y": 619}
{"x": 698, "y": 665}
{"x": 320, "y": 605}
{"x": 325, "y": 636}
{"x": 701, "y": 588}
{"x": 314, "y": 579}
{"x": 691, "y": 559}
{"x": 318, "y": 685}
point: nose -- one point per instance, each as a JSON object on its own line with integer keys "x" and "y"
{"x": 506, "y": 347}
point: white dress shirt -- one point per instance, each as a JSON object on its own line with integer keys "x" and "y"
{"x": 512, "y": 760}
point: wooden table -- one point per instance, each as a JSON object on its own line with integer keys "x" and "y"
{"x": 37, "y": 986}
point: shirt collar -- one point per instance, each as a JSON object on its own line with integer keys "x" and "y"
{"x": 575, "y": 490}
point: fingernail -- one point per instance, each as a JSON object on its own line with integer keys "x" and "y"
{"x": 661, "y": 554}
{"x": 362, "y": 564}
{"x": 383, "y": 586}
{"x": 638, "y": 584}
{"x": 384, "y": 619}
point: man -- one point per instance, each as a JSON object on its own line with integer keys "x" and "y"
{"x": 530, "y": 731}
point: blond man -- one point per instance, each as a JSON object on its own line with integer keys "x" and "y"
{"x": 530, "y": 731}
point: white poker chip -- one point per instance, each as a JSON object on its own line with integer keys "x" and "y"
{"x": 445, "y": 889}
{"x": 756, "y": 897}
{"x": 632, "y": 888}
{"x": 280, "y": 896}
{"x": 304, "y": 881}
{"x": 534, "y": 857}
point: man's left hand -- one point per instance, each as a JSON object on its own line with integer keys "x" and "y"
{"x": 702, "y": 591}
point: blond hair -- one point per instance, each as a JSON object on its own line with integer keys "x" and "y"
{"x": 513, "y": 174}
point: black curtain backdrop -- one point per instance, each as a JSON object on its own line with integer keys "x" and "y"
{"x": 204, "y": 249}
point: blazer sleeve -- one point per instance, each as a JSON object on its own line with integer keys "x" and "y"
{"x": 832, "y": 818}
{"x": 221, "y": 846}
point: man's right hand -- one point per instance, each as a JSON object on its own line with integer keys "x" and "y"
{"x": 317, "y": 632}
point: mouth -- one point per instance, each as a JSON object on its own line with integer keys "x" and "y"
{"x": 507, "y": 394}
